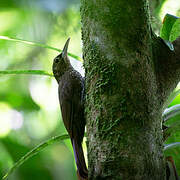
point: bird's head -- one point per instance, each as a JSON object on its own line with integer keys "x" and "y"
{"x": 61, "y": 63}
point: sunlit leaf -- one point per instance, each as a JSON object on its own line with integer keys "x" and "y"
{"x": 171, "y": 112}
{"x": 171, "y": 28}
{"x": 32, "y": 72}
{"x": 175, "y": 32}
{"x": 34, "y": 152}
{"x": 37, "y": 44}
{"x": 171, "y": 97}
{"x": 171, "y": 146}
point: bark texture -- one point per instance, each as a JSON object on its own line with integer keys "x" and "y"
{"x": 126, "y": 85}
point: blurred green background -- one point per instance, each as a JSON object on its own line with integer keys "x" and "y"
{"x": 29, "y": 107}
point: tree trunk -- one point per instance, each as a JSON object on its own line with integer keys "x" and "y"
{"x": 126, "y": 87}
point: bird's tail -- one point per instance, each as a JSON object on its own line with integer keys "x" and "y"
{"x": 80, "y": 161}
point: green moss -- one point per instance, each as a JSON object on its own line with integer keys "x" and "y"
{"x": 117, "y": 85}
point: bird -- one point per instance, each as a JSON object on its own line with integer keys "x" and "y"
{"x": 71, "y": 91}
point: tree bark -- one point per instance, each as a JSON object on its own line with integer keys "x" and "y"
{"x": 126, "y": 86}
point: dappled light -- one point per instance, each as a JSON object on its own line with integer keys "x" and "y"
{"x": 10, "y": 119}
{"x": 29, "y": 107}
{"x": 32, "y": 34}
{"x": 5, "y": 120}
{"x": 171, "y": 7}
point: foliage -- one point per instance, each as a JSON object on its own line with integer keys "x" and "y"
{"x": 170, "y": 29}
{"x": 169, "y": 32}
{"x": 171, "y": 118}
{"x": 29, "y": 107}
{"x": 34, "y": 152}
{"x": 29, "y": 110}
{"x": 38, "y": 72}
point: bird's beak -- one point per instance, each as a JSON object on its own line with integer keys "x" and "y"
{"x": 64, "y": 52}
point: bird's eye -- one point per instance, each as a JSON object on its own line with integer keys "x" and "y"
{"x": 56, "y": 60}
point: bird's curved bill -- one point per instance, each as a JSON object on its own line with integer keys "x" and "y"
{"x": 64, "y": 52}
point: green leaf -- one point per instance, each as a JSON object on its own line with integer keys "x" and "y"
{"x": 37, "y": 44}
{"x": 34, "y": 152}
{"x": 171, "y": 146}
{"x": 171, "y": 112}
{"x": 175, "y": 127}
{"x": 175, "y": 32}
{"x": 171, "y": 28}
{"x": 171, "y": 97}
{"x": 33, "y": 72}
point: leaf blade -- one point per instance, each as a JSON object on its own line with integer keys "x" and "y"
{"x": 175, "y": 32}
{"x": 172, "y": 145}
{"x": 171, "y": 112}
{"x": 175, "y": 127}
{"x": 168, "y": 22}
{"x": 32, "y": 72}
{"x": 34, "y": 151}
{"x": 171, "y": 97}
{"x": 37, "y": 44}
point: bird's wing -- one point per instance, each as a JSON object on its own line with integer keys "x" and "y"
{"x": 72, "y": 108}
{"x": 65, "y": 96}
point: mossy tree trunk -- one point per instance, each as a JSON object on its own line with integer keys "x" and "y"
{"x": 129, "y": 74}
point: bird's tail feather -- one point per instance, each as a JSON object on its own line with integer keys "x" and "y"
{"x": 79, "y": 158}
